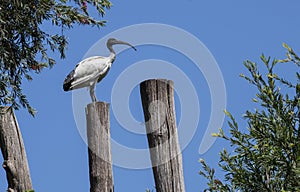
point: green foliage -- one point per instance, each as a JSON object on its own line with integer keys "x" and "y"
{"x": 214, "y": 184}
{"x": 266, "y": 157}
{"x": 24, "y": 45}
{"x": 29, "y": 191}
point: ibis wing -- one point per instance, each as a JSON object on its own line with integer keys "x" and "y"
{"x": 68, "y": 80}
{"x": 86, "y": 72}
{"x": 84, "y": 81}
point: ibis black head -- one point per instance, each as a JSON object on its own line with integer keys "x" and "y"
{"x": 113, "y": 41}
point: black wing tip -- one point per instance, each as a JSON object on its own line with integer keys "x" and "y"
{"x": 67, "y": 87}
{"x": 68, "y": 81}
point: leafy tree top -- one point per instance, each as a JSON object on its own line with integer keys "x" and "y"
{"x": 266, "y": 156}
{"x": 24, "y": 46}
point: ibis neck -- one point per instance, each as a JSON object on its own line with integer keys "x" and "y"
{"x": 112, "y": 55}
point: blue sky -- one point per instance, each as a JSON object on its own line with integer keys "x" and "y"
{"x": 232, "y": 30}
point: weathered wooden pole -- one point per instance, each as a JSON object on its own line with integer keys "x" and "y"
{"x": 99, "y": 149}
{"x": 13, "y": 151}
{"x": 159, "y": 112}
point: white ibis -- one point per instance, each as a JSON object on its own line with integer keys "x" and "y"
{"x": 92, "y": 70}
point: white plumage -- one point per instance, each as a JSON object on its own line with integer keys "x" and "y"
{"x": 92, "y": 70}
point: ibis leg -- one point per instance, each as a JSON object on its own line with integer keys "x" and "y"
{"x": 92, "y": 93}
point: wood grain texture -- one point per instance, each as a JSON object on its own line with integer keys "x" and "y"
{"x": 159, "y": 112}
{"x": 13, "y": 151}
{"x": 99, "y": 152}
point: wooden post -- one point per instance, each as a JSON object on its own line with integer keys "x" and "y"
{"x": 159, "y": 112}
{"x": 13, "y": 151}
{"x": 99, "y": 152}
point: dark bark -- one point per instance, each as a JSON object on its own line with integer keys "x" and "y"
{"x": 159, "y": 112}
{"x": 98, "y": 133}
{"x": 13, "y": 151}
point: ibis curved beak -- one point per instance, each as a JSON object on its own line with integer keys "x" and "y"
{"x": 125, "y": 43}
